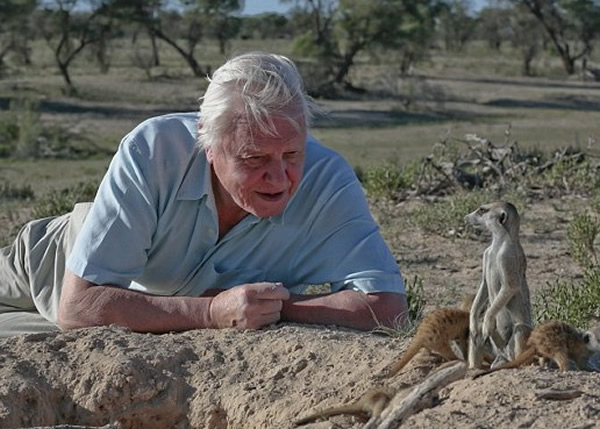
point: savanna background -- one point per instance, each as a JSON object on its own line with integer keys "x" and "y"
{"x": 440, "y": 105}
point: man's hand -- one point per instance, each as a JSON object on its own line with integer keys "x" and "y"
{"x": 249, "y": 306}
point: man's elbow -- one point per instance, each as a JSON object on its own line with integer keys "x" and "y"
{"x": 68, "y": 319}
{"x": 76, "y": 308}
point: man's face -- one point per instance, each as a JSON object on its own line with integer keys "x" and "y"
{"x": 258, "y": 173}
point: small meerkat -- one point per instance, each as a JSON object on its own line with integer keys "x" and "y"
{"x": 436, "y": 333}
{"x": 371, "y": 404}
{"x": 558, "y": 341}
{"x": 501, "y": 311}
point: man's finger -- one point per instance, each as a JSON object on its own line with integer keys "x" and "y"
{"x": 271, "y": 306}
{"x": 270, "y": 291}
{"x": 267, "y": 319}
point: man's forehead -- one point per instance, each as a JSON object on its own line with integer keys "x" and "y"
{"x": 251, "y": 137}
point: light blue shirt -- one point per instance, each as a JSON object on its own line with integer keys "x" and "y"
{"x": 153, "y": 226}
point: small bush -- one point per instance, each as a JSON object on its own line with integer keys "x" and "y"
{"x": 27, "y": 116}
{"x": 576, "y": 304}
{"x": 582, "y": 233}
{"x": 569, "y": 175}
{"x": 447, "y": 217}
{"x": 386, "y": 181}
{"x": 24, "y": 135}
{"x": 415, "y": 295}
{"x": 60, "y": 202}
{"x": 20, "y": 129}
{"x": 9, "y": 192}
{"x": 595, "y": 201}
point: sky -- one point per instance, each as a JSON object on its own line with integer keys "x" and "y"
{"x": 253, "y": 7}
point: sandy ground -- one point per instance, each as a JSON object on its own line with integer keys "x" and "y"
{"x": 219, "y": 379}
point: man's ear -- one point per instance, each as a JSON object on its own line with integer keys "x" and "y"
{"x": 209, "y": 154}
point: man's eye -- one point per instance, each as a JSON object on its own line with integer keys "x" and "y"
{"x": 252, "y": 160}
{"x": 292, "y": 155}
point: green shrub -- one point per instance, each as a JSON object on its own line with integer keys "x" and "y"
{"x": 20, "y": 129}
{"x": 10, "y": 192}
{"x": 24, "y": 135}
{"x": 27, "y": 116}
{"x": 447, "y": 217}
{"x": 415, "y": 295}
{"x": 60, "y": 202}
{"x": 386, "y": 181}
{"x": 573, "y": 303}
{"x": 576, "y": 174}
{"x": 582, "y": 233}
{"x": 595, "y": 201}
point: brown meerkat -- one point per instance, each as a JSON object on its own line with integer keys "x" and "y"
{"x": 558, "y": 341}
{"x": 501, "y": 311}
{"x": 437, "y": 331}
{"x": 371, "y": 404}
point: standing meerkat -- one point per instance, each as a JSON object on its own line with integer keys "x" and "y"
{"x": 558, "y": 341}
{"x": 436, "y": 333}
{"x": 372, "y": 403}
{"x": 501, "y": 311}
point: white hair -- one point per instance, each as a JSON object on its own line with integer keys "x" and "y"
{"x": 253, "y": 87}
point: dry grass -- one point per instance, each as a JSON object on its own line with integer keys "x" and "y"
{"x": 369, "y": 129}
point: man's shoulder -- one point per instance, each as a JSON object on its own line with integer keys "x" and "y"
{"x": 164, "y": 123}
{"x": 323, "y": 159}
{"x": 163, "y": 135}
{"x": 316, "y": 152}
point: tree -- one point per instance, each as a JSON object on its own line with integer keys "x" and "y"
{"x": 456, "y": 24}
{"x": 342, "y": 29}
{"x": 15, "y": 31}
{"x": 526, "y": 35}
{"x": 571, "y": 25}
{"x": 265, "y": 26}
{"x": 219, "y": 21}
{"x": 68, "y": 29}
{"x": 182, "y": 24}
{"x": 494, "y": 26}
{"x": 177, "y": 23}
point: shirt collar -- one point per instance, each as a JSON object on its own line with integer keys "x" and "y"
{"x": 197, "y": 183}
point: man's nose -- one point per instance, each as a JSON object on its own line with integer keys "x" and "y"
{"x": 276, "y": 170}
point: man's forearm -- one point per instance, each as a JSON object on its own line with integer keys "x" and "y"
{"x": 105, "y": 305}
{"x": 347, "y": 308}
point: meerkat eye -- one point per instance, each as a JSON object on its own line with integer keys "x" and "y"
{"x": 482, "y": 210}
{"x": 586, "y": 338}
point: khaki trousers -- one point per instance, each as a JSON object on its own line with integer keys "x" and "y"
{"x": 31, "y": 272}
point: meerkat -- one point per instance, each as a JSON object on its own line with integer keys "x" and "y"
{"x": 501, "y": 311}
{"x": 371, "y": 404}
{"x": 436, "y": 333}
{"x": 557, "y": 341}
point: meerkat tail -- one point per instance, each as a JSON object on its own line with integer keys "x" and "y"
{"x": 329, "y": 412}
{"x": 410, "y": 352}
{"x": 526, "y": 356}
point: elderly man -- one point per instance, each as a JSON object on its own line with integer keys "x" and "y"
{"x": 211, "y": 221}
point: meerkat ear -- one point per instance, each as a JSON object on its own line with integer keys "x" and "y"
{"x": 503, "y": 217}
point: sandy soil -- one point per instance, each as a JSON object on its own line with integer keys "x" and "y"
{"x": 268, "y": 378}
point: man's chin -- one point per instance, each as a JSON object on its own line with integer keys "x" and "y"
{"x": 268, "y": 211}
{"x": 269, "y": 206}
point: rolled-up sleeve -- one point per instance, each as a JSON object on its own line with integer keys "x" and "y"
{"x": 111, "y": 247}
